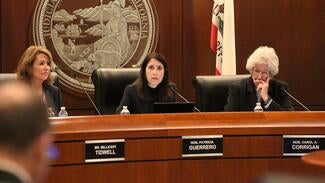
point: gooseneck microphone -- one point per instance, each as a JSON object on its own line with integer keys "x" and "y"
{"x": 183, "y": 98}
{"x": 285, "y": 91}
{"x": 92, "y": 102}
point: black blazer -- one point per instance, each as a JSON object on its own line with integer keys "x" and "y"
{"x": 242, "y": 96}
{"x": 137, "y": 104}
{"x": 53, "y": 97}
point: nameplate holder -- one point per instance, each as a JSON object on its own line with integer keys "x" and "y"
{"x": 104, "y": 150}
{"x": 299, "y": 145}
{"x": 202, "y": 146}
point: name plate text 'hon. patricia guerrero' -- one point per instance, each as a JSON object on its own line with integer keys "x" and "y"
{"x": 202, "y": 146}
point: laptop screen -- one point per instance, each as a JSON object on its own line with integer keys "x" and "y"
{"x": 173, "y": 107}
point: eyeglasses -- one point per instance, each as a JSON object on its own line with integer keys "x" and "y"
{"x": 262, "y": 73}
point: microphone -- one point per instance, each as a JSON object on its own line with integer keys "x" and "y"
{"x": 183, "y": 98}
{"x": 285, "y": 91}
{"x": 92, "y": 102}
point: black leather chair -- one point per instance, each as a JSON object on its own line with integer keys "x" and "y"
{"x": 211, "y": 92}
{"x": 13, "y": 76}
{"x": 109, "y": 86}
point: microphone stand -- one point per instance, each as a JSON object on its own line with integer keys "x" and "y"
{"x": 285, "y": 91}
{"x": 92, "y": 102}
{"x": 179, "y": 95}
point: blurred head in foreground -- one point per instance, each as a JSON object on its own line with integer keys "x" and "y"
{"x": 24, "y": 134}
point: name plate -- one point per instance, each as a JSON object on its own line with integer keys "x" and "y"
{"x": 104, "y": 150}
{"x": 299, "y": 145}
{"x": 202, "y": 146}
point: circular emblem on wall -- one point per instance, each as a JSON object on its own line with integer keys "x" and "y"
{"x": 85, "y": 35}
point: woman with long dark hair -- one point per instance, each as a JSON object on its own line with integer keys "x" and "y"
{"x": 152, "y": 85}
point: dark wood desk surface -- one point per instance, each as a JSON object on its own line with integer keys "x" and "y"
{"x": 157, "y": 125}
{"x": 252, "y": 146}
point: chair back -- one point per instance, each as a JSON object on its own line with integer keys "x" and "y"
{"x": 13, "y": 76}
{"x": 211, "y": 92}
{"x": 109, "y": 86}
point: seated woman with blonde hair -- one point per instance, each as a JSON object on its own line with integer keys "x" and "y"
{"x": 34, "y": 69}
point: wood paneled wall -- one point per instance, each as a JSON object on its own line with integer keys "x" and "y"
{"x": 295, "y": 28}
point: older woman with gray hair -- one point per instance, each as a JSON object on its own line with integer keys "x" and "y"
{"x": 261, "y": 87}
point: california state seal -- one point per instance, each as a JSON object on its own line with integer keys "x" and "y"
{"x": 85, "y": 35}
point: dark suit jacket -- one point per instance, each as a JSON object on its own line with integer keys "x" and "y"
{"x": 242, "y": 96}
{"x": 53, "y": 97}
{"x": 137, "y": 104}
{"x": 6, "y": 177}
